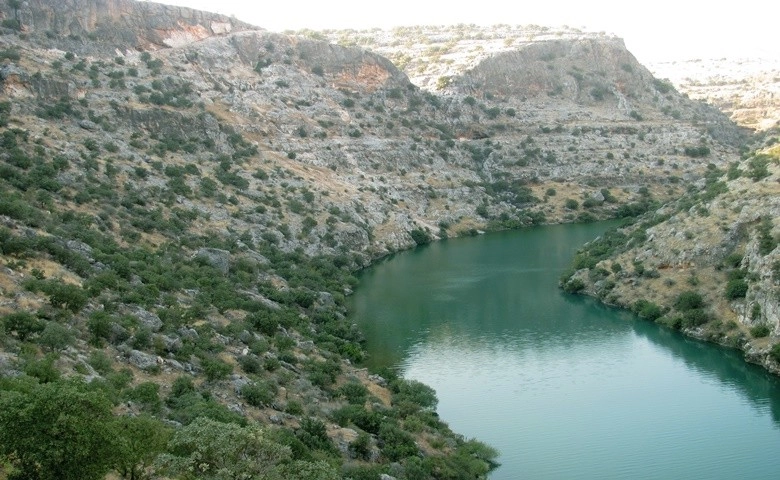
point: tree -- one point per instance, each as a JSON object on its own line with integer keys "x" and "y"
{"x": 56, "y": 431}
{"x": 56, "y": 337}
{"x": 140, "y": 440}
{"x": 23, "y": 324}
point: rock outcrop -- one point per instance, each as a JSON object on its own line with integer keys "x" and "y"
{"x": 111, "y": 26}
{"x": 720, "y": 244}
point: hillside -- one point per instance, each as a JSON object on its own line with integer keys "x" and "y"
{"x": 746, "y": 89}
{"x": 185, "y": 199}
{"x": 707, "y": 264}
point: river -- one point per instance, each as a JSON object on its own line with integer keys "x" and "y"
{"x": 561, "y": 385}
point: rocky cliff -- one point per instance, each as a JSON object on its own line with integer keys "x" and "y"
{"x": 745, "y": 88}
{"x": 707, "y": 264}
{"x": 184, "y": 200}
{"x": 109, "y": 26}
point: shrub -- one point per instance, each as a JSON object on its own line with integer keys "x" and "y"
{"x": 766, "y": 241}
{"x": 294, "y": 408}
{"x": 648, "y": 310}
{"x": 361, "y": 446}
{"x": 758, "y": 167}
{"x": 43, "y": 369}
{"x": 64, "y": 295}
{"x": 760, "y": 331}
{"x": 697, "y": 152}
{"x": 571, "y": 204}
{"x": 775, "y": 352}
{"x": 100, "y": 362}
{"x": 147, "y": 394}
{"x": 23, "y": 324}
{"x": 695, "y": 317}
{"x": 355, "y": 392}
{"x": 420, "y": 236}
{"x": 369, "y": 421}
{"x": 258, "y": 394}
{"x": 663, "y": 86}
{"x": 688, "y": 300}
{"x": 574, "y": 285}
{"x": 415, "y": 392}
{"x": 216, "y": 369}
{"x": 396, "y": 443}
{"x": 56, "y": 337}
{"x": 736, "y": 288}
{"x": 250, "y": 363}
{"x": 99, "y": 326}
{"x": 314, "y": 434}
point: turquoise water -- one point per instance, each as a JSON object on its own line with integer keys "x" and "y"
{"x": 563, "y": 386}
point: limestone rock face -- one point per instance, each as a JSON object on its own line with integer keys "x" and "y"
{"x": 712, "y": 246}
{"x": 583, "y": 70}
{"x": 120, "y": 25}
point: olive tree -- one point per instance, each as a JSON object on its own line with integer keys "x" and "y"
{"x": 56, "y": 431}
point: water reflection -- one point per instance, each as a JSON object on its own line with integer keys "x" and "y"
{"x": 564, "y": 386}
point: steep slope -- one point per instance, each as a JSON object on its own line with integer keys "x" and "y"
{"x": 184, "y": 199}
{"x": 745, "y": 88}
{"x": 707, "y": 264}
{"x": 113, "y": 26}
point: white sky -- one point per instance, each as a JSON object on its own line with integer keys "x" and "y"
{"x": 654, "y": 30}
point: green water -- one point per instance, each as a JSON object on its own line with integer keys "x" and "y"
{"x": 562, "y": 386}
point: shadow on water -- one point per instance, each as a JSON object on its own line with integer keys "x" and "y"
{"x": 485, "y": 314}
{"x": 726, "y": 365}
{"x": 483, "y": 285}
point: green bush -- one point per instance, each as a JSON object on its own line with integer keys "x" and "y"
{"x": 688, "y": 300}
{"x": 414, "y": 392}
{"x": 574, "y": 285}
{"x": 62, "y": 295}
{"x": 99, "y": 326}
{"x": 766, "y": 241}
{"x": 147, "y": 394}
{"x": 647, "y": 310}
{"x": 697, "y": 152}
{"x": 736, "y": 288}
{"x": 775, "y": 352}
{"x": 22, "y": 324}
{"x": 100, "y": 362}
{"x": 366, "y": 420}
{"x": 56, "y": 337}
{"x": 355, "y": 392}
{"x": 695, "y": 317}
{"x": 314, "y": 434}
{"x": 760, "y": 331}
{"x": 258, "y": 394}
{"x": 57, "y": 430}
{"x": 250, "y": 364}
{"x": 216, "y": 369}
{"x": 43, "y": 369}
{"x": 420, "y": 236}
{"x": 294, "y": 408}
{"x": 396, "y": 444}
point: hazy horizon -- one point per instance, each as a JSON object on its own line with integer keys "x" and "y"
{"x": 662, "y": 31}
